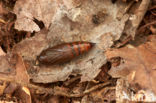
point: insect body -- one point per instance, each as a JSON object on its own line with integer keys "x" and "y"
{"x": 64, "y": 52}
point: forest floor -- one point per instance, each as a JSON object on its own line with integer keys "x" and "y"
{"x": 121, "y": 67}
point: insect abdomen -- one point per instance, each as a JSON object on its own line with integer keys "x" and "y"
{"x": 64, "y": 52}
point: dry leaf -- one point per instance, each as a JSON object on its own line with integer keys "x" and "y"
{"x": 6, "y": 66}
{"x": 53, "y": 99}
{"x": 138, "y": 13}
{"x": 7, "y": 102}
{"x": 138, "y": 64}
{"x": 21, "y": 72}
{"x": 10, "y": 89}
{"x": 103, "y": 75}
{"x": 24, "y": 94}
{"x": 2, "y": 11}
{"x": 125, "y": 93}
{"x": 30, "y": 48}
{"x": 27, "y": 10}
{"x": 2, "y": 53}
{"x": 75, "y": 24}
{"x": 2, "y": 87}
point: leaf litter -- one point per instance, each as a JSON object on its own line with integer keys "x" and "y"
{"x": 137, "y": 66}
{"x": 100, "y": 22}
{"x": 66, "y": 27}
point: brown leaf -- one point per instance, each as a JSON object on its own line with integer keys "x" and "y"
{"x": 138, "y": 64}
{"x": 139, "y": 11}
{"x": 6, "y": 66}
{"x": 10, "y": 89}
{"x": 2, "y": 53}
{"x": 22, "y": 77}
{"x": 53, "y": 99}
{"x": 30, "y": 48}
{"x": 21, "y": 72}
{"x": 2, "y": 10}
{"x": 27, "y": 10}
{"x": 71, "y": 23}
{"x": 103, "y": 75}
{"x": 24, "y": 94}
{"x": 2, "y": 87}
{"x": 77, "y": 25}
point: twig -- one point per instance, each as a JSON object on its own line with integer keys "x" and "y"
{"x": 52, "y": 91}
{"x": 108, "y": 88}
{"x": 71, "y": 80}
{"x": 146, "y": 25}
{"x": 96, "y": 87}
{"x": 153, "y": 13}
{"x": 153, "y": 7}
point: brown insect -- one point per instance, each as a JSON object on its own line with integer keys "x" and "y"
{"x": 64, "y": 52}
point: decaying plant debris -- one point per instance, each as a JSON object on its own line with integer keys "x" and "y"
{"x": 102, "y": 75}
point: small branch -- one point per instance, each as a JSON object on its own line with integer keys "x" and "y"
{"x": 96, "y": 87}
{"x": 71, "y": 80}
{"x": 52, "y": 91}
{"x": 146, "y": 25}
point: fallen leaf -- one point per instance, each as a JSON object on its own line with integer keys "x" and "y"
{"x": 26, "y": 90}
{"x": 2, "y": 87}
{"x": 10, "y": 89}
{"x": 54, "y": 99}
{"x": 103, "y": 75}
{"x": 6, "y": 66}
{"x": 2, "y": 53}
{"x": 27, "y": 10}
{"x": 2, "y": 11}
{"x": 24, "y": 94}
{"x": 124, "y": 92}
{"x": 68, "y": 25}
{"x": 7, "y": 102}
{"x": 138, "y": 64}
{"x": 30, "y": 48}
{"x": 21, "y": 72}
{"x": 135, "y": 19}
